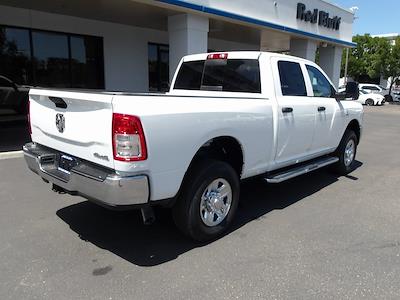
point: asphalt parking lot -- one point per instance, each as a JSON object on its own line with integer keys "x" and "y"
{"x": 315, "y": 237}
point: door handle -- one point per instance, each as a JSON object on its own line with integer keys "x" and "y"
{"x": 287, "y": 109}
{"x": 321, "y": 108}
{"x": 59, "y": 102}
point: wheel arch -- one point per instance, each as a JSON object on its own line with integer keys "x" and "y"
{"x": 225, "y": 148}
{"x": 355, "y": 126}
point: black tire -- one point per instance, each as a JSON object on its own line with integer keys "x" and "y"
{"x": 341, "y": 168}
{"x": 186, "y": 212}
{"x": 369, "y": 102}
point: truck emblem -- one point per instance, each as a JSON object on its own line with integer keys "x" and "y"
{"x": 99, "y": 156}
{"x": 60, "y": 122}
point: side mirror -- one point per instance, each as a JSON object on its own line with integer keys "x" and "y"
{"x": 352, "y": 90}
{"x": 339, "y": 96}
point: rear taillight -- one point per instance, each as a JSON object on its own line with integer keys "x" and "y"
{"x": 29, "y": 116}
{"x": 129, "y": 143}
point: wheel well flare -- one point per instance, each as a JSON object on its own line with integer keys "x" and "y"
{"x": 224, "y": 148}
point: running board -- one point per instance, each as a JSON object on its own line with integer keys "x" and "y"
{"x": 300, "y": 170}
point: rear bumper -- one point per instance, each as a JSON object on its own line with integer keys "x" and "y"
{"x": 87, "y": 179}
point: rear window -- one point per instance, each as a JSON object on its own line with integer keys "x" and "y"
{"x": 232, "y": 75}
{"x": 189, "y": 76}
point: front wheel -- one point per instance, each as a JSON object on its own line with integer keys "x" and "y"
{"x": 208, "y": 201}
{"x": 346, "y": 152}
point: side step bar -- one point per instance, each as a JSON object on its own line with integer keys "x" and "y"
{"x": 300, "y": 170}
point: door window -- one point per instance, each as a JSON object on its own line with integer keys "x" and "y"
{"x": 292, "y": 80}
{"x": 320, "y": 85}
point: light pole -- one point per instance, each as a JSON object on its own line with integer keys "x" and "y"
{"x": 346, "y": 65}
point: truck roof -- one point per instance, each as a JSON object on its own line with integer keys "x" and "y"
{"x": 239, "y": 55}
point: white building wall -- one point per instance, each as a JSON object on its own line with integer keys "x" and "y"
{"x": 330, "y": 60}
{"x": 303, "y": 48}
{"x": 125, "y": 47}
{"x": 188, "y": 34}
{"x": 220, "y": 45}
{"x": 284, "y": 13}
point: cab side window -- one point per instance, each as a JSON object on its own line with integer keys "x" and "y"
{"x": 321, "y": 86}
{"x": 292, "y": 80}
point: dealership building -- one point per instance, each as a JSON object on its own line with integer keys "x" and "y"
{"x": 131, "y": 45}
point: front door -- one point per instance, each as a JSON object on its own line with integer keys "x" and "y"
{"x": 328, "y": 127}
{"x": 296, "y": 114}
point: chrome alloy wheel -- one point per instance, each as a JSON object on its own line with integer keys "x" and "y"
{"x": 215, "y": 202}
{"x": 349, "y": 152}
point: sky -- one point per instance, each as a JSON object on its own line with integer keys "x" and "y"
{"x": 373, "y": 16}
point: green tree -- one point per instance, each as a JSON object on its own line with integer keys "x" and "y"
{"x": 392, "y": 64}
{"x": 368, "y": 57}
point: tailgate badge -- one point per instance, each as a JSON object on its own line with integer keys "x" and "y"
{"x": 99, "y": 156}
{"x": 60, "y": 122}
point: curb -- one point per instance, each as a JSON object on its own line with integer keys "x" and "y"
{"x": 11, "y": 154}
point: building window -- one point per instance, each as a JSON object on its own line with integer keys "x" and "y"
{"x": 158, "y": 67}
{"x": 51, "y": 59}
{"x": 15, "y": 55}
{"x": 87, "y": 67}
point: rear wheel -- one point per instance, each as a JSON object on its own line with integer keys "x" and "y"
{"x": 346, "y": 152}
{"x": 369, "y": 102}
{"x": 208, "y": 201}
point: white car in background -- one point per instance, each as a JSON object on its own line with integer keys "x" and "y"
{"x": 373, "y": 88}
{"x": 370, "y": 98}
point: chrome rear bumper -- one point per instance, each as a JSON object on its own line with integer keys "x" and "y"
{"x": 87, "y": 179}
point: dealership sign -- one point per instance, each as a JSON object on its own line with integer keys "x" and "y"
{"x": 318, "y": 16}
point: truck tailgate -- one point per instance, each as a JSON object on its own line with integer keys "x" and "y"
{"x": 75, "y": 123}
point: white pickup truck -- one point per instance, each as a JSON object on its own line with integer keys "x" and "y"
{"x": 228, "y": 117}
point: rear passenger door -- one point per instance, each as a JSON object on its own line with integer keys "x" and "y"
{"x": 296, "y": 113}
